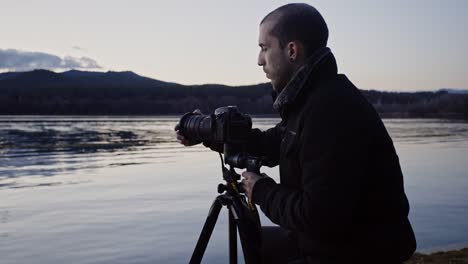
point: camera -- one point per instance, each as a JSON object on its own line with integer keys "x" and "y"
{"x": 226, "y": 126}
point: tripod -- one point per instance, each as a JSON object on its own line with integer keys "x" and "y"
{"x": 243, "y": 217}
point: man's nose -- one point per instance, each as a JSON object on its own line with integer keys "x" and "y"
{"x": 260, "y": 60}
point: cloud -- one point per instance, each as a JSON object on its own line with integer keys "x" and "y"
{"x": 17, "y": 60}
{"x": 78, "y": 48}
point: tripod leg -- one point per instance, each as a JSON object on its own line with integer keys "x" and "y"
{"x": 250, "y": 232}
{"x": 232, "y": 238}
{"x": 206, "y": 231}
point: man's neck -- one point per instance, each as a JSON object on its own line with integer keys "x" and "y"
{"x": 292, "y": 89}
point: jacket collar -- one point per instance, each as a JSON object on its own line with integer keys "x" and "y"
{"x": 320, "y": 64}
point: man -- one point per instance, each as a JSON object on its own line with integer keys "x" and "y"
{"x": 341, "y": 197}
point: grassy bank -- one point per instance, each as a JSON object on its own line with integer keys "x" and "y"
{"x": 446, "y": 257}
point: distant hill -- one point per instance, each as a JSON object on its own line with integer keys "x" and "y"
{"x": 110, "y": 78}
{"x": 455, "y": 91}
{"x": 127, "y": 93}
{"x": 82, "y": 92}
{"x": 8, "y": 75}
{"x": 75, "y": 78}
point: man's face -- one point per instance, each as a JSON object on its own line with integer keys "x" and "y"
{"x": 273, "y": 58}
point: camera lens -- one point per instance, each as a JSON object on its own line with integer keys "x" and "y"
{"x": 196, "y": 127}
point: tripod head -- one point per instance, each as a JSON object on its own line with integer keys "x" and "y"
{"x": 235, "y": 158}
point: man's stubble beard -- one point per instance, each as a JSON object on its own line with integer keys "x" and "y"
{"x": 279, "y": 85}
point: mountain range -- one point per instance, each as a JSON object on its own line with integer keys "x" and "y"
{"x": 78, "y": 78}
{"x": 85, "y": 92}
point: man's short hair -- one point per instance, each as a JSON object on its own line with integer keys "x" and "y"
{"x": 300, "y": 22}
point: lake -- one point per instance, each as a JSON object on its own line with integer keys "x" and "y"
{"x": 121, "y": 190}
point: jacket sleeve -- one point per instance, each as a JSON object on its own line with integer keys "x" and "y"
{"x": 332, "y": 162}
{"x": 266, "y": 144}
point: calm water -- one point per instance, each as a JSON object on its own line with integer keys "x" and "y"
{"x": 121, "y": 190}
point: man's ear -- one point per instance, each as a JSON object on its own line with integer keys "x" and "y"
{"x": 295, "y": 51}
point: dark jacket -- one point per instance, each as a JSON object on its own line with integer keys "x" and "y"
{"x": 341, "y": 193}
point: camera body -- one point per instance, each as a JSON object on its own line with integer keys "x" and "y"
{"x": 225, "y": 126}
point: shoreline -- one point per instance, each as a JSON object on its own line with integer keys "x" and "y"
{"x": 450, "y": 256}
{"x": 444, "y": 248}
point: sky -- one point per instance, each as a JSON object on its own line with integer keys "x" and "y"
{"x": 383, "y": 45}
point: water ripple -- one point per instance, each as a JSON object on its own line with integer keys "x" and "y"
{"x": 49, "y": 146}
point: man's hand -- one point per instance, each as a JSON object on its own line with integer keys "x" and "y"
{"x": 249, "y": 181}
{"x": 181, "y": 139}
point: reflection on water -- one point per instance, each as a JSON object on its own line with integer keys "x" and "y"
{"x": 46, "y": 146}
{"x": 122, "y": 190}
{"x": 427, "y": 131}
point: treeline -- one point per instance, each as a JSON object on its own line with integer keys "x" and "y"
{"x": 138, "y": 105}
{"x": 125, "y": 101}
{"x": 86, "y": 93}
{"x": 419, "y": 104}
